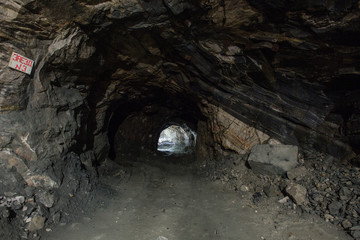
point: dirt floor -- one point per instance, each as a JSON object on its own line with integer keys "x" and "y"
{"x": 162, "y": 199}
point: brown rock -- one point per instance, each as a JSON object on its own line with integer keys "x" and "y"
{"x": 36, "y": 223}
{"x": 297, "y": 193}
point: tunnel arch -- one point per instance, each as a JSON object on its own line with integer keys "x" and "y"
{"x": 135, "y": 126}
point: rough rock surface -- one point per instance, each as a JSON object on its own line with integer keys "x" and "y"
{"x": 297, "y": 173}
{"x": 273, "y": 70}
{"x": 297, "y": 193}
{"x": 273, "y": 159}
{"x": 36, "y": 223}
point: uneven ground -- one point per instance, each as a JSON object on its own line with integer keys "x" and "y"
{"x": 160, "y": 197}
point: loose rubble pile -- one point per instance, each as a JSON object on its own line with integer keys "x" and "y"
{"x": 319, "y": 185}
{"x": 334, "y": 192}
{"x": 27, "y": 214}
{"x": 26, "y": 217}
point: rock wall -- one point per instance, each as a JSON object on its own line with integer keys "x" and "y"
{"x": 271, "y": 70}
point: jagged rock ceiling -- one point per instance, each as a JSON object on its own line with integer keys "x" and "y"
{"x": 289, "y": 69}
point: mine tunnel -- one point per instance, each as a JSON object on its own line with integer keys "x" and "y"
{"x": 173, "y": 120}
{"x": 144, "y": 126}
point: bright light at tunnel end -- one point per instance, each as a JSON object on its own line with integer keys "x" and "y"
{"x": 177, "y": 139}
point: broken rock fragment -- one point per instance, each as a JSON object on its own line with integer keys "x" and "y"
{"x": 36, "y": 223}
{"x": 46, "y": 198}
{"x": 297, "y": 173}
{"x": 296, "y": 192}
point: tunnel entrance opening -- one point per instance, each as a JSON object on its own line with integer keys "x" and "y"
{"x": 176, "y": 139}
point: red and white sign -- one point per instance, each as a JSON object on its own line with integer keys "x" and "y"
{"x": 21, "y": 63}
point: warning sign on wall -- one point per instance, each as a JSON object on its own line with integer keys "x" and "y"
{"x": 21, "y": 63}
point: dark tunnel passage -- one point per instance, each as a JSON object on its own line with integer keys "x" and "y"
{"x": 136, "y": 127}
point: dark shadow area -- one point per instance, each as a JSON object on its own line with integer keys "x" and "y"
{"x": 135, "y": 126}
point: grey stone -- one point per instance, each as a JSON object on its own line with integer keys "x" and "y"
{"x": 271, "y": 191}
{"x": 355, "y": 228}
{"x": 4, "y": 212}
{"x": 329, "y": 217}
{"x": 162, "y": 238}
{"x": 4, "y": 141}
{"x": 296, "y": 192}
{"x": 9, "y": 194}
{"x": 56, "y": 217}
{"x": 334, "y": 207}
{"x": 355, "y": 234}
{"x": 345, "y": 193}
{"x": 29, "y": 190}
{"x": 273, "y": 159}
{"x": 176, "y": 6}
{"x": 244, "y": 188}
{"x": 46, "y": 198}
{"x": 20, "y": 199}
{"x": 36, "y": 223}
{"x": 297, "y": 173}
{"x": 17, "y": 202}
{"x": 284, "y": 200}
{"x": 2, "y": 201}
{"x": 346, "y": 224}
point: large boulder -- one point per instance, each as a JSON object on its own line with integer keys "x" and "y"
{"x": 273, "y": 159}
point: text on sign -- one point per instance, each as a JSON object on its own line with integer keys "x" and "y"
{"x": 21, "y": 63}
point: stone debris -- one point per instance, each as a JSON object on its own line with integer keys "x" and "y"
{"x": 333, "y": 190}
{"x": 329, "y": 217}
{"x": 273, "y": 159}
{"x": 15, "y": 202}
{"x": 355, "y": 232}
{"x": 346, "y": 224}
{"x": 296, "y": 192}
{"x": 322, "y": 185}
{"x": 161, "y": 238}
{"x": 284, "y": 200}
{"x": 244, "y": 188}
{"x": 297, "y": 173}
{"x": 36, "y": 223}
{"x": 272, "y": 191}
{"x": 256, "y": 197}
{"x": 334, "y": 207}
{"x": 46, "y": 198}
{"x": 355, "y": 228}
